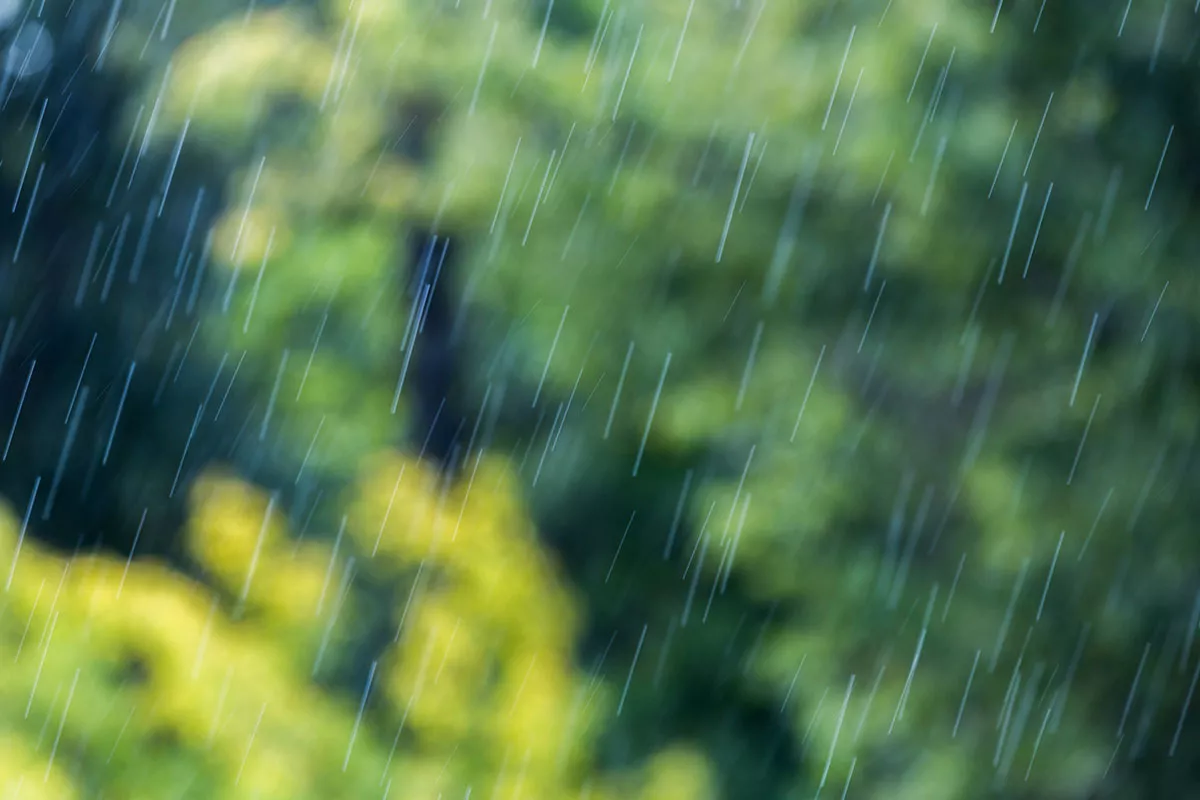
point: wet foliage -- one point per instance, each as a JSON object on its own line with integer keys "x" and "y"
{"x": 591, "y": 399}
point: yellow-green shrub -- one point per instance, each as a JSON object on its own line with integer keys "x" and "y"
{"x": 125, "y": 677}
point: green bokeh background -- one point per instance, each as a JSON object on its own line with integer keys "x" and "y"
{"x": 826, "y": 377}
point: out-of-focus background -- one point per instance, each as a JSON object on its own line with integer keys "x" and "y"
{"x": 545, "y": 399}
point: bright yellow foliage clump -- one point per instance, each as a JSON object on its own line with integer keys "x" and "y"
{"x": 484, "y": 656}
{"x": 123, "y": 677}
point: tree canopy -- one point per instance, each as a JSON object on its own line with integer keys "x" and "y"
{"x": 843, "y": 353}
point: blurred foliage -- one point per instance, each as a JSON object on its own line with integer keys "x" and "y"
{"x": 900, "y": 294}
{"x": 872, "y": 261}
{"x": 128, "y": 678}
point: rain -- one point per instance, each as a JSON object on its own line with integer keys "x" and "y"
{"x": 565, "y": 399}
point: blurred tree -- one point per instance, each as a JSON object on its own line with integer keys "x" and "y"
{"x": 902, "y": 289}
{"x": 343, "y": 322}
